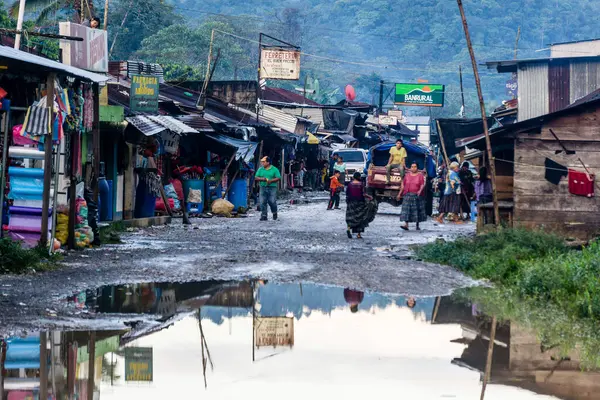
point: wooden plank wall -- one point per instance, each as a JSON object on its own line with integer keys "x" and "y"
{"x": 539, "y": 203}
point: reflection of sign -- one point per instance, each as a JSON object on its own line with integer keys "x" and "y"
{"x": 102, "y": 347}
{"x": 512, "y": 86}
{"x": 388, "y": 120}
{"x": 280, "y": 64}
{"x": 274, "y": 331}
{"x": 91, "y": 54}
{"x": 166, "y": 303}
{"x": 143, "y": 96}
{"x": 138, "y": 364}
{"x": 413, "y": 94}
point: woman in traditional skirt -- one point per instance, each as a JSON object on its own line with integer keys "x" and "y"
{"x": 451, "y": 203}
{"x": 360, "y": 207}
{"x": 413, "y": 206}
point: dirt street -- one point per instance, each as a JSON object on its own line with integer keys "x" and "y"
{"x": 307, "y": 244}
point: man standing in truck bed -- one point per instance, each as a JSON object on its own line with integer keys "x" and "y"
{"x": 397, "y": 160}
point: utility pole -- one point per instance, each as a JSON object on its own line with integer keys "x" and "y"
{"x": 20, "y": 24}
{"x": 304, "y": 94}
{"x": 488, "y": 142}
{"x": 488, "y": 363}
{"x": 517, "y": 42}
{"x": 462, "y": 93}
{"x": 201, "y": 101}
{"x": 106, "y": 14}
{"x": 381, "y": 96}
{"x": 260, "y": 35}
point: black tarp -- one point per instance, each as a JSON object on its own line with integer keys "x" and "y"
{"x": 460, "y": 128}
{"x": 339, "y": 120}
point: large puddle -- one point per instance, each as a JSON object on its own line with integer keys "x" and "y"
{"x": 195, "y": 340}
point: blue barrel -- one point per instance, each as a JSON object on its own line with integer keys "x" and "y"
{"x": 238, "y": 194}
{"x": 195, "y": 184}
{"x": 212, "y": 191}
{"x": 145, "y": 203}
{"x": 103, "y": 194}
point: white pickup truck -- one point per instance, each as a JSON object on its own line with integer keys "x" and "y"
{"x": 355, "y": 159}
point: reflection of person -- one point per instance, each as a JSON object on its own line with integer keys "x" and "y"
{"x": 354, "y": 298}
{"x": 411, "y": 302}
{"x": 268, "y": 175}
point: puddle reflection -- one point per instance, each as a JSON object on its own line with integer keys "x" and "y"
{"x": 306, "y": 340}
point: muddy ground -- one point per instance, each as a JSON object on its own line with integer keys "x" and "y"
{"x": 306, "y": 244}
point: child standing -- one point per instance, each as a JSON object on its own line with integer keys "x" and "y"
{"x": 335, "y": 187}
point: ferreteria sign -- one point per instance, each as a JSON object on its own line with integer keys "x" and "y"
{"x": 419, "y": 94}
{"x": 283, "y": 64}
{"x": 143, "y": 96}
{"x": 138, "y": 364}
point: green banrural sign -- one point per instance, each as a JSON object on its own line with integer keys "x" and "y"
{"x": 419, "y": 94}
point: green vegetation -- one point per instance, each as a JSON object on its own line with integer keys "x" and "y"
{"x": 110, "y": 234}
{"x": 540, "y": 282}
{"x": 17, "y": 260}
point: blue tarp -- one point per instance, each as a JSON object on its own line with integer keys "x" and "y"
{"x": 244, "y": 150}
{"x": 416, "y": 153}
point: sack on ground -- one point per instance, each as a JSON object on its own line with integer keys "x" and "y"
{"x": 194, "y": 196}
{"x": 222, "y": 207}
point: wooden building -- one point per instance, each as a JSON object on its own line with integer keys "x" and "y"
{"x": 569, "y": 137}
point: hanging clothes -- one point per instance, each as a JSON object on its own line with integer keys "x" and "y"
{"x": 88, "y": 113}
{"x": 555, "y": 171}
{"x": 581, "y": 184}
{"x": 37, "y": 122}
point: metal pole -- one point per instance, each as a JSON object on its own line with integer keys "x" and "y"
{"x": 48, "y": 160}
{"x": 488, "y": 364}
{"x": 20, "y": 24}
{"x": 488, "y": 141}
{"x": 258, "y": 94}
{"x": 4, "y": 167}
{"x": 381, "y": 96}
{"x": 462, "y": 93}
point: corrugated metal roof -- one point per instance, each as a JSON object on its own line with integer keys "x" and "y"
{"x": 145, "y": 125}
{"x": 172, "y": 124}
{"x": 286, "y": 96}
{"x": 197, "y": 122}
{"x": 279, "y": 118}
{"x": 315, "y": 115}
{"x": 23, "y": 57}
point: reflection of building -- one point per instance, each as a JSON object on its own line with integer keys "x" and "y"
{"x": 519, "y": 359}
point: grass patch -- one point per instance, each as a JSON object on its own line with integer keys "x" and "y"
{"x": 497, "y": 256}
{"x": 111, "y": 234}
{"x": 17, "y": 260}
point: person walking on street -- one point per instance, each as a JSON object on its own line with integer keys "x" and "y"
{"x": 397, "y": 160}
{"x": 413, "y": 206}
{"x": 451, "y": 203}
{"x": 360, "y": 207}
{"x": 468, "y": 189}
{"x": 340, "y": 166}
{"x": 268, "y": 177}
{"x": 335, "y": 187}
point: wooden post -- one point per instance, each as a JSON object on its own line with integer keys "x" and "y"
{"x": 260, "y": 35}
{"x": 441, "y": 135}
{"x": 488, "y": 141}
{"x": 4, "y": 166}
{"x": 73, "y": 189}
{"x": 517, "y": 42}
{"x": 129, "y": 184}
{"x": 96, "y": 141}
{"x": 91, "y": 365}
{"x": 462, "y": 93}
{"x": 231, "y": 183}
{"x": 48, "y": 160}
{"x": 106, "y": 14}
{"x": 488, "y": 364}
{"x": 43, "y": 365}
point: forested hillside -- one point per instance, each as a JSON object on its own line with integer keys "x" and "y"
{"x": 356, "y": 42}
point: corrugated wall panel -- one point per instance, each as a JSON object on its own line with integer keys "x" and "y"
{"x": 533, "y": 91}
{"x": 559, "y": 85}
{"x": 585, "y": 78}
{"x": 314, "y": 114}
{"x": 280, "y": 119}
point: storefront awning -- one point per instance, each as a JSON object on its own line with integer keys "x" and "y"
{"x": 243, "y": 150}
{"x": 145, "y": 125}
{"x": 173, "y": 124}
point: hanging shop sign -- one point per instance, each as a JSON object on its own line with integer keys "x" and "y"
{"x": 143, "y": 96}
{"x": 283, "y": 64}
{"x": 274, "y": 331}
{"x": 138, "y": 364}
{"x": 417, "y": 94}
{"x": 91, "y": 54}
{"x": 388, "y": 120}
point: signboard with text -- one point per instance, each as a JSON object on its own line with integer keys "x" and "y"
{"x": 91, "y": 54}
{"x": 419, "y": 94}
{"x": 283, "y": 64}
{"x": 388, "y": 120}
{"x": 138, "y": 364}
{"x": 274, "y": 331}
{"x": 143, "y": 96}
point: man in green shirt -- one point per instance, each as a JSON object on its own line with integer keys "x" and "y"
{"x": 268, "y": 176}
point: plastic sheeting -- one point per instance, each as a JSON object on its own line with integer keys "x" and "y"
{"x": 243, "y": 150}
{"x": 380, "y": 155}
